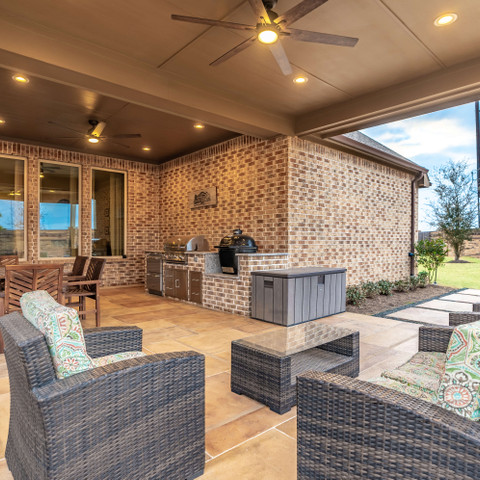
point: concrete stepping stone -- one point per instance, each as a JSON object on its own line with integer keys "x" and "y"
{"x": 440, "y": 304}
{"x": 471, "y": 291}
{"x": 461, "y": 297}
{"x": 424, "y": 315}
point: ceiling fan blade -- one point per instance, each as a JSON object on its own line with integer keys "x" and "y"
{"x": 259, "y": 9}
{"x": 120, "y": 144}
{"x": 317, "y": 37}
{"x": 298, "y": 11}
{"x": 64, "y": 138}
{"x": 65, "y": 127}
{"x": 125, "y": 135}
{"x": 281, "y": 58}
{"x": 215, "y": 23}
{"x": 240, "y": 47}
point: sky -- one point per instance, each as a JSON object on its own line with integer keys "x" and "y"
{"x": 431, "y": 140}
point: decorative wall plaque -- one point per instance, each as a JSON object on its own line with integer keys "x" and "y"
{"x": 206, "y": 197}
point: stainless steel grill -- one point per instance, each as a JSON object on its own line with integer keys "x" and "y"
{"x": 175, "y": 249}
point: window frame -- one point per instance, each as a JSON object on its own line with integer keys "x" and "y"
{"x": 125, "y": 212}
{"x": 67, "y": 164}
{"x": 25, "y": 200}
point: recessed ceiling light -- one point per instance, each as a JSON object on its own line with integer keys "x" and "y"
{"x": 445, "y": 19}
{"x": 199, "y": 126}
{"x": 2, "y": 121}
{"x": 93, "y": 139}
{"x": 300, "y": 80}
{"x": 146, "y": 149}
{"x": 20, "y": 78}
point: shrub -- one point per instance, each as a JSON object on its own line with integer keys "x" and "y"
{"x": 431, "y": 254}
{"x": 401, "y": 286}
{"x": 355, "y": 295}
{"x": 370, "y": 289}
{"x": 385, "y": 287}
{"x": 414, "y": 281}
{"x": 422, "y": 279}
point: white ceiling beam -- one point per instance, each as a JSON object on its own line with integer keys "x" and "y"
{"x": 445, "y": 88}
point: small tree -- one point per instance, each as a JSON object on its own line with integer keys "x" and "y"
{"x": 430, "y": 255}
{"x": 454, "y": 212}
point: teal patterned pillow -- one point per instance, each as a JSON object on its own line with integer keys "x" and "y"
{"x": 459, "y": 388}
{"x": 64, "y": 335}
{"x": 62, "y": 330}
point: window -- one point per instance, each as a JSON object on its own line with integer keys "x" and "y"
{"x": 12, "y": 191}
{"x": 108, "y": 213}
{"x": 59, "y": 208}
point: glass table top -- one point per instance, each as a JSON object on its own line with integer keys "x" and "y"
{"x": 290, "y": 340}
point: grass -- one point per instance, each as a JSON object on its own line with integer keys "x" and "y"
{"x": 460, "y": 275}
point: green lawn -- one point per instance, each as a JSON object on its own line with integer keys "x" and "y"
{"x": 460, "y": 275}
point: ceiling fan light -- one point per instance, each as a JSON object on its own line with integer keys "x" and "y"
{"x": 93, "y": 139}
{"x": 2, "y": 121}
{"x": 445, "y": 19}
{"x": 267, "y": 35}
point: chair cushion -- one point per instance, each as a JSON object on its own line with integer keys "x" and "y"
{"x": 459, "y": 387}
{"x": 424, "y": 371}
{"x": 116, "y": 357}
{"x": 63, "y": 333}
{"x": 411, "y": 390}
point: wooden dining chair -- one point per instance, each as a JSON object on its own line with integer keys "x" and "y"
{"x": 6, "y": 260}
{"x": 87, "y": 287}
{"x": 20, "y": 279}
{"x": 78, "y": 268}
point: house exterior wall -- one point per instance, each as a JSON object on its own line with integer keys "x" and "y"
{"x": 347, "y": 211}
{"x": 142, "y": 208}
{"x": 321, "y": 206}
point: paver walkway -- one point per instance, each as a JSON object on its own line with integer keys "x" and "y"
{"x": 436, "y": 311}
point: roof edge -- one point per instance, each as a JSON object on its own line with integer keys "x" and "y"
{"x": 349, "y": 145}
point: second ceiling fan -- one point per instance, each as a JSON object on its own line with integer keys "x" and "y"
{"x": 271, "y": 28}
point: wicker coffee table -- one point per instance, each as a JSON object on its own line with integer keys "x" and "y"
{"x": 265, "y": 367}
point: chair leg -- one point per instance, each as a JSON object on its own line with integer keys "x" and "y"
{"x": 97, "y": 309}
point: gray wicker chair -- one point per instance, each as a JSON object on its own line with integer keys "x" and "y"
{"x": 351, "y": 429}
{"x": 142, "y": 418}
{"x": 459, "y": 318}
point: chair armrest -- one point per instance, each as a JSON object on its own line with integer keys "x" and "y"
{"x": 109, "y": 340}
{"x": 459, "y": 318}
{"x": 434, "y": 338}
{"x": 140, "y": 409}
{"x": 83, "y": 282}
{"x": 369, "y": 431}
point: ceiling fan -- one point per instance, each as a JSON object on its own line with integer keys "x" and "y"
{"x": 271, "y": 27}
{"x": 94, "y": 133}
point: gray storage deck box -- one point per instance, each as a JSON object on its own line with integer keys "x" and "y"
{"x": 297, "y": 295}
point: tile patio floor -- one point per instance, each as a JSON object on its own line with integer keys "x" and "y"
{"x": 244, "y": 439}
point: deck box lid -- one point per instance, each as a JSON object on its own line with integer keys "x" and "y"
{"x": 299, "y": 272}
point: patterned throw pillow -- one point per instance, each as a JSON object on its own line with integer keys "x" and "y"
{"x": 64, "y": 334}
{"x": 459, "y": 388}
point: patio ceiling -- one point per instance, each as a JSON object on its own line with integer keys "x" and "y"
{"x": 130, "y": 64}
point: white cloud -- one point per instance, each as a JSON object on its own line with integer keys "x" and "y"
{"x": 420, "y": 136}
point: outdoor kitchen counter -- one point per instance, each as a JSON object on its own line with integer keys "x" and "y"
{"x": 226, "y": 292}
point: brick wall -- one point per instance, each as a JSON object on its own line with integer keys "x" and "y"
{"x": 349, "y": 211}
{"x": 251, "y": 180}
{"x": 143, "y": 214}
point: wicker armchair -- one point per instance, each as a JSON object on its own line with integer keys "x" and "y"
{"x": 351, "y": 429}
{"x": 136, "y": 419}
{"x": 459, "y": 318}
